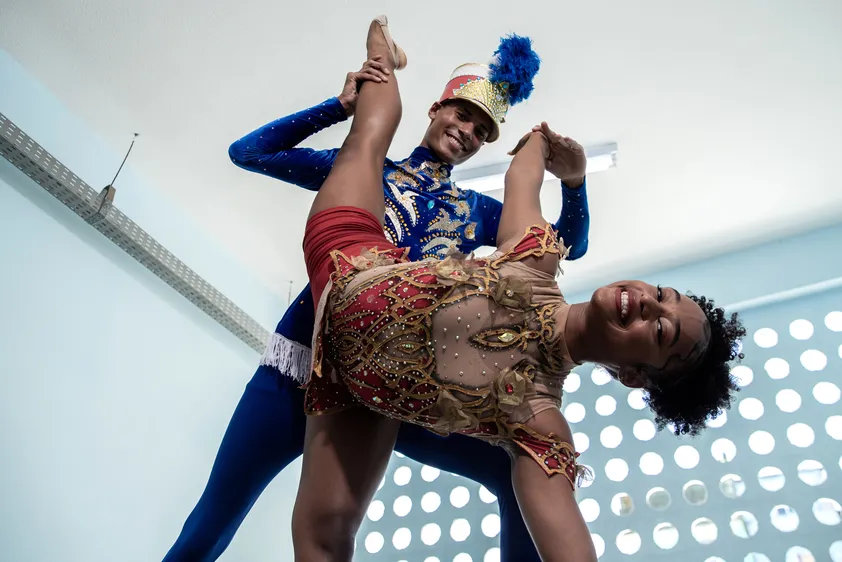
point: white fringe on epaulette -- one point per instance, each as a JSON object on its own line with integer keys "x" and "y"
{"x": 290, "y": 358}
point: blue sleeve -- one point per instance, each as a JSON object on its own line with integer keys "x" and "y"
{"x": 572, "y": 225}
{"x": 271, "y": 149}
{"x": 575, "y": 220}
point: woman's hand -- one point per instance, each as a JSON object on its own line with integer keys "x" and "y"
{"x": 539, "y": 137}
{"x": 373, "y": 71}
{"x": 566, "y": 160}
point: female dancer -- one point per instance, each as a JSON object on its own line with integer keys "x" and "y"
{"x": 475, "y": 346}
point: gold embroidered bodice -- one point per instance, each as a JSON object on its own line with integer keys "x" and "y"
{"x": 468, "y": 345}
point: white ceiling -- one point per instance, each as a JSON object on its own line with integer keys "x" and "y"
{"x": 727, "y": 113}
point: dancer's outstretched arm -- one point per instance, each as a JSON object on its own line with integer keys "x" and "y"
{"x": 548, "y": 503}
{"x": 521, "y": 201}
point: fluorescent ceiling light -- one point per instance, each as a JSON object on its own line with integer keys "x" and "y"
{"x": 491, "y": 178}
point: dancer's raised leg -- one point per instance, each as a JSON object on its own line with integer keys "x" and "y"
{"x": 356, "y": 179}
{"x": 346, "y": 453}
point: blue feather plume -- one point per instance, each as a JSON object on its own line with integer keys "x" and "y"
{"x": 517, "y": 64}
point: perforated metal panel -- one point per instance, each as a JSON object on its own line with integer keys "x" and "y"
{"x": 95, "y": 208}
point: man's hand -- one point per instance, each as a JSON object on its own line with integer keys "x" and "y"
{"x": 567, "y": 160}
{"x": 373, "y": 70}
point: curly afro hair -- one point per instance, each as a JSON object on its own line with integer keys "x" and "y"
{"x": 702, "y": 390}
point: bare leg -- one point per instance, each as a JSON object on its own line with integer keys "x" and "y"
{"x": 345, "y": 456}
{"x": 356, "y": 179}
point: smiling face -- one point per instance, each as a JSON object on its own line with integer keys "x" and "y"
{"x": 457, "y": 131}
{"x": 643, "y": 330}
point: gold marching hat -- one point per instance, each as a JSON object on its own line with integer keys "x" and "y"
{"x": 494, "y": 87}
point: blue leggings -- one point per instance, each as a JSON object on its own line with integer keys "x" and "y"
{"x": 266, "y": 434}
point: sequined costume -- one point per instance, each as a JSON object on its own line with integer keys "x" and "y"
{"x": 472, "y": 346}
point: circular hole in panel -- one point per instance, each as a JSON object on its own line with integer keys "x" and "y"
{"x": 704, "y": 530}
{"x": 743, "y": 374}
{"x": 833, "y": 321}
{"x": 756, "y": 557}
{"x": 572, "y": 383}
{"x": 581, "y": 442}
{"x": 429, "y": 473}
{"x": 402, "y": 475}
{"x": 836, "y": 551}
{"x": 374, "y": 542}
{"x": 605, "y": 405}
{"x": 459, "y": 497}
{"x": 463, "y": 557}
{"x": 460, "y": 530}
{"x": 777, "y": 368}
{"x": 714, "y": 559}
{"x": 651, "y": 464}
{"x": 788, "y": 401}
{"x": 658, "y": 499}
{"x": 813, "y": 360}
{"x": 598, "y": 544}
{"x": 766, "y": 337}
{"x": 833, "y": 427}
{"x": 486, "y": 496}
{"x": 812, "y": 472}
{"x": 375, "y": 511}
{"x": 665, "y": 536}
{"x": 628, "y": 542}
{"x": 784, "y": 518}
{"x": 430, "y": 534}
{"x": 590, "y": 509}
{"x": 402, "y": 506}
{"x": 723, "y": 450}
{"x": 695, "y": 492}
{"x": 382, "y": 481}
{"x": 635, "y": 399}
{"x": 826, "y": 393}
{"x": 490, "y": 525}
{"x": 401, "y": 538}
{"x": 800, "y": 435}
{"x": 574, "y": 412}
{"x": 743, "y": 524}
{"x": 622, "y": 504}
{"x": 801, "y": 329}
{"x": 732, "y": 486}
{"x": 492, "y": 555}
{"x": 616, "y": 470}
{"x": 644, "y": 429}
{"x": 751, "y": 408}
{"x": 600, "y": 376}
{"x": 771, "y": 478}
{"x": 799, "y": 554}
{"x": 430, "y": 502}
{"x": 687, "y": 457}
{"x": 611, "y": 437}
{"x": 827, "y": 511}
{"x": 719, "y": 420}
{"x": 761, "y": 442}
{"x": 432, "y": 559}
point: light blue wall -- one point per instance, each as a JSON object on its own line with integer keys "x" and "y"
{"x": 115, "y": 390}
{"x": 43, "y": 116}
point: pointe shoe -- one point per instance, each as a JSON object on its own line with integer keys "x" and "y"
{"x": 398, "y": 56}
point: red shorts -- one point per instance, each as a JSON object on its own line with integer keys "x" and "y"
{"x": 347, "y": 229}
